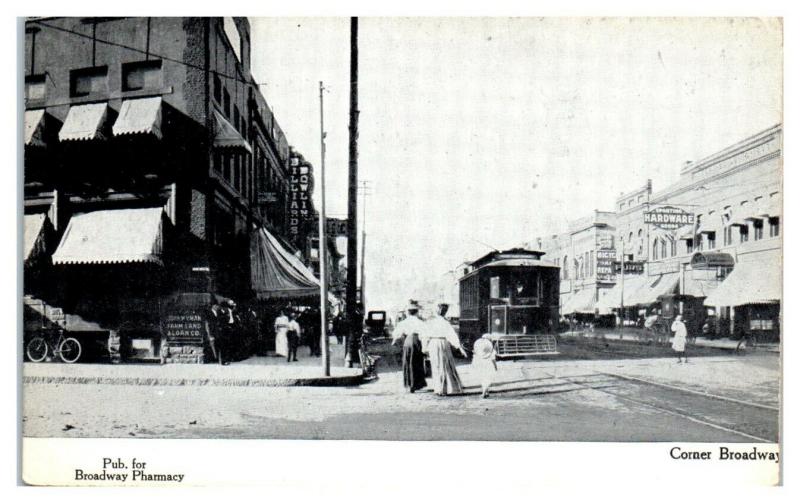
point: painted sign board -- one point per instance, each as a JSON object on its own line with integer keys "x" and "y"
{"x": 668, "y": 217}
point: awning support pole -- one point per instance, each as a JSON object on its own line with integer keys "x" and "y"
{"x": 323, "y": 257}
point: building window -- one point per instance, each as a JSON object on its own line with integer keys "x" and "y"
{"x": 689, "y": 245}
{"x": 727, "y": 236}
{"x": 655, "y": 249}
{"x": 712, "y": 240}
{"x": 88, "y": 81}
{"x": 218, "y": 160}
{"x": 217, "y": 89}
{"x": 774, "y": 227}
{"x": 226, "y": 103}
{"x": 673, "y": 248}
{"x": 591, "y": 263}
{"x": 35, "y": 88}
{"x": 141, "y": 75}
{"x": 565, "y": 268}
{"x": 232, "y": 32}
{"x": 758, "y": 230}
{"x": 663, "y": 249}
{"x": 744, "y": 234}
{"x": 236, "y": 117}
{"x": 227, "y": 159}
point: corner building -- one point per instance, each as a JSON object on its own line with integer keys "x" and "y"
{"x": 151, "y": 159}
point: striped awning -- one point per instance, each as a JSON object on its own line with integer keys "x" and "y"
{"x": 226, "y": 136}
{"x": 582, "y": 301}
{"x": 655, "y": 287}
{"x": 113, "y": 237}
{"x": 751, "y": 282}
{"x": 139, "y": 116}
{"x": 84, "y": 122}
{"x": 632, "y": 284}
{"x": 277, "y": 274}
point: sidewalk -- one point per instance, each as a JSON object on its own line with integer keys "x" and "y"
{"x": 254, "y": 371}
{"x": 637, "y": 335}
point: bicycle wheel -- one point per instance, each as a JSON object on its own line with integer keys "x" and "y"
{"x": 69, "y": 350}
{"x": 36, "y": 350}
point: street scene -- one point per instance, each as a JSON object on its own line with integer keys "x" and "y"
{"x": 430, "y": 229}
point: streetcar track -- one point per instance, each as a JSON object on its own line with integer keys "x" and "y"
{"x": 665, "y": 410}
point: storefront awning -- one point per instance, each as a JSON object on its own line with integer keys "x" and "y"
{"x": 113, "y": 237}
{"x": 140, "y": 116}
{"x": 226, "y": 136}
{"x": 655, "y": 287}
{"x": 277, "y": 274}
{"x": 769, "y": 207}
{"x": 699, "y": 287}
{"x": 84, "y": 122}
{"x": 34, "y": 128}
{"x": 582, "y": 301}
{"x": 708, "y": 224}
{"x": 611, "y": 300}
{"x": 33, "y": 238}
{"x": 711, "y": 260}
{"x": 749, "y": 283}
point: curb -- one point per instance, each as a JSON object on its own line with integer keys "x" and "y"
{"x": 159, "y": 381}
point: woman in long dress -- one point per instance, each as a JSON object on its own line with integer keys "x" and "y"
{"x": 281, "y": 338}
{"x": 409, "y": 331}
{"x": 679, "y": 342}
{"x": 438, "y": 338}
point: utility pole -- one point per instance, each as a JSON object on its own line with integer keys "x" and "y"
{"x": 364, "y": 193}
{"x": 323, "y": 241}
{"x": 353, "y": 318}
{"x": 622, "y": 291}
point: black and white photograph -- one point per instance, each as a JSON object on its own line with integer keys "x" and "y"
{"x": 441, "y": 229}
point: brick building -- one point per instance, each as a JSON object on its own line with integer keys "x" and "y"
{"x": 151, "y": 159}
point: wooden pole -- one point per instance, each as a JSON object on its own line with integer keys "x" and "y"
{"x": 323, "y": 256}
{"x": 353, "y": 319}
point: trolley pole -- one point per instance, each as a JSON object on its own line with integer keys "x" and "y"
{"x": 364, "y": 193}
{"x": 323, "y": 238}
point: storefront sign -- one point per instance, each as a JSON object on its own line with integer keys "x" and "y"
{"x": 604, "y": 269}
{"x": 334, "y": 227}
{"x": 668, "y": 217}
{"x": 630, "y": 267}
{"x": 301, "y": 186}
{"x": 657, "y": 268}
{"x": 187, "y": 328}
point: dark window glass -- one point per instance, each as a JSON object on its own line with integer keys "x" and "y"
{"x": 712, "y": 240}
{"x": 236, "y": 118}
{"x": 88, "y": 81}
{"x": 758, "y": 230}
{"x": 217, "y": 89}
{"x": 226, "y": 105}
{"x": 774, "y": 227}
{"x": 744, "y": 234}
{"x": 141, "y": 75}
{"x": 689, "y": 245}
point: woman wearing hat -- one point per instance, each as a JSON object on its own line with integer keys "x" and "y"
{"x": 484, "y": 362}
{"x": 439, "y": 336}
{"x": 679, "y": 342}
{"x": 413, "y": 359}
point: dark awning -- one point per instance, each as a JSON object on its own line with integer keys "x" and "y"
{"x": 226, "y": 136}
{"x": 139, "y": 116}
{"x": 113, "y": 237}
{"x": 711, "y": 260}
{"x": 277, "y": 274}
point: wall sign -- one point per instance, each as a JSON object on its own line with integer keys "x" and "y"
{"x": 668, "y": 217}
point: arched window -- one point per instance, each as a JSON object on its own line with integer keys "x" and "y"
{"x": 663, "y": 248}
{"x": 565, "y": 268}
{"x": 655, "y": 249}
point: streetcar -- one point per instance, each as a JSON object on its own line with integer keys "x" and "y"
{"x": 513, "y": 296}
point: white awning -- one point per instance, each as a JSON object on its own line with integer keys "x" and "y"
{"x": 140, "y": 116}
{"x": 631, "y": 287}
{"x": 113, "y": 237}
{"x": 654, "y": 287}
{"x": 226, "y": 136}
{"x": 33, "y": 238}
{"x": 84, "y": 122}
{"x": 582, "y": 301}
{"x": 34, "y": 124}
{"x": 751, "y": 282}
{"x": 709, "y": 223}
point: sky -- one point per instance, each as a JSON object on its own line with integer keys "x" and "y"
{"x": 482, "y": 133}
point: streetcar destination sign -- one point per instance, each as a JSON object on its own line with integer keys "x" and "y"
{"x": 668, "y": 217}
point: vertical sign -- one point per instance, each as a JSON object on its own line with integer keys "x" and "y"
{"x": 301, "y": 186}
{"x": 605, "y": 265}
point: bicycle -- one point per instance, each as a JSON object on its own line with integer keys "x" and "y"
{"x": 68, "y": 349}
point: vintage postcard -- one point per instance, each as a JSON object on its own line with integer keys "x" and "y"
{"x": 563, "y": 233}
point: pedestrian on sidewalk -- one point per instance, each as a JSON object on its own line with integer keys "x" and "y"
{"x": 293, "y": 333}
{"x": 679, "y": 342}
{"x": 438, "y": 337}
{"x": 484, "y": 362}
{"x": 409, "y": 331}
{"x": 281, "y": 341}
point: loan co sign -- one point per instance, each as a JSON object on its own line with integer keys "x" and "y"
{"x": 668, "y": 217}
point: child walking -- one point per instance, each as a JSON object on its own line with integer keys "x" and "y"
{"x": 484, "y": 362}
